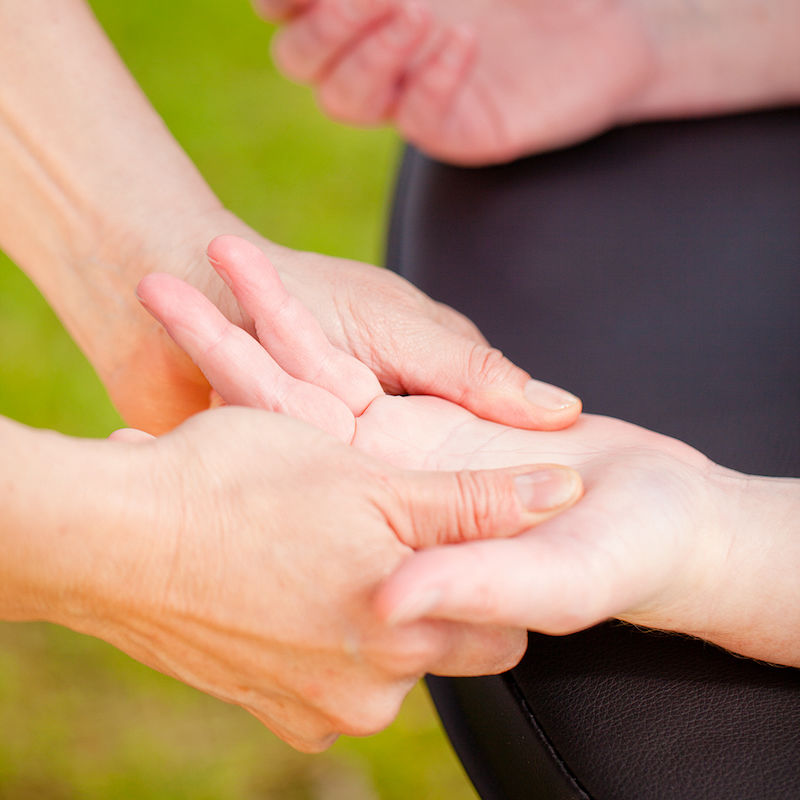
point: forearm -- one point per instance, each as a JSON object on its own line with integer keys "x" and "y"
{"x": 717, "y": 56}
{"x": 90, "y": 174}
{"x": 66, "y": 505}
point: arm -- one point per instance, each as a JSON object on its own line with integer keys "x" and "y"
{"x": 96, "y": 193}
{"x": 662, "y": 537}
{"x": 729, "y": 573}
{"x": 200, "y": 555}
{"x": 492, "y": 80}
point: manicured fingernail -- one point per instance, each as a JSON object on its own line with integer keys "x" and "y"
{"x": 546, "y": 488}
{"x": 415, "y": 606}
{"x": 548, "y": 397}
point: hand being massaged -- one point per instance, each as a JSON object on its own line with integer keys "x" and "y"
{"x": 663, "y": 537}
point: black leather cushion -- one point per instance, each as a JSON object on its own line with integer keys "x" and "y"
{"x": 655, "y": 271}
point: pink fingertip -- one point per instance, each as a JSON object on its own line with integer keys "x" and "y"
{"x": 151, "y": 286}
{"x": 227, "y": 246}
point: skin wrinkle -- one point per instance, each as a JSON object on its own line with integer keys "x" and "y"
{"x": 166, "y": 558}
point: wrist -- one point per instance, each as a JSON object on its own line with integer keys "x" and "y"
{"x": 74, "y": 517}
{"x": 754, "y": 602}
{"x": 151, "y": 381}
{"x": 718, "y": 57}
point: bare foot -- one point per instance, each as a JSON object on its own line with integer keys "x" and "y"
{"x": 485, "y": 81}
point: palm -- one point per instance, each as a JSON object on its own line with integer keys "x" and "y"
{"x": 430, "y": 433}
{"x": 632, "y": 546}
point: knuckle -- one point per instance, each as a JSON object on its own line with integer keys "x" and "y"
{"x": 488, "y": 364}
{"x": 477, "y": 505}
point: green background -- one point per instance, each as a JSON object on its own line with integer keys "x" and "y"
{"x": 77, "y": 718}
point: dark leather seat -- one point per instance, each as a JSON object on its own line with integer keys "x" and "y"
{"x": 655, "y": 271}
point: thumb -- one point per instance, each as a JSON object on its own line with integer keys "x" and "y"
{"x": 448, "y": 364}
{"x": 451, "y": 507}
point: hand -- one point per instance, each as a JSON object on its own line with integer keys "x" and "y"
{"x": 413, "y": 344}
{"x": 653, "y": 541}
{"x": 246, "y": 561}
{"x": 482, "y": 81}
{"x": 87, "y": 256}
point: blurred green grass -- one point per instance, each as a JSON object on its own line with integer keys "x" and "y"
{"x": 77, "y": 718}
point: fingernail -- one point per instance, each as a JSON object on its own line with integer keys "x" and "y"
{"x": 551, "y": 398}
{"x": 415, "y": 606}
{"x": 546, "y": 488}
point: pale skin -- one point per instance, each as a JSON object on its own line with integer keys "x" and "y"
{"x": 74, "y": 128}
{"x": 241, "y": 552}
{"x": 192, "y": 553}
{"x": 486, "y": 81}
{"x": 663, "y": 537}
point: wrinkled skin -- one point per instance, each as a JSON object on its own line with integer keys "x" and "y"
{"x": 645, "y": 544}
{"x": 251, "y": 549}
{"x": 412, "y": 343}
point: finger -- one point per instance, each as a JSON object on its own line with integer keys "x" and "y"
{"x": 480, "y": 650}
{"x": 550, "y": 580}
{"x": 235, "y": 364}
{"x": 287, "y": 329}
{"x": 362, "y": 85}
{"x": 131, "y": 435}
{"x": 309, "y": 44}
{"x": 439, "y": 362}
{"x": 430, "y": 88}
{"x": 451, "y": 507}
{"x": 445, "y": 648}
{"x": 280, "y": 9}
